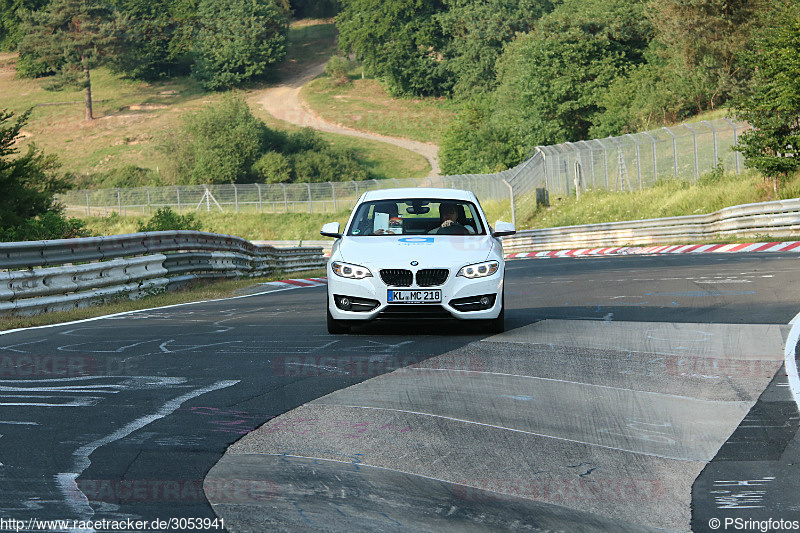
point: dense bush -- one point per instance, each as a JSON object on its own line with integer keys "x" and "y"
{"x": 165, "y": 219}
{"x": 226, "y": 143}
{"x": 28, "y": 182}
{"x": 50, "y": 225}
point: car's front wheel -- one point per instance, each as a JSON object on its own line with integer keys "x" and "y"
{"x": 335, "y": 327}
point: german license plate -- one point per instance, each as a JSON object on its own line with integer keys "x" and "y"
{"x": 414, "y": 297}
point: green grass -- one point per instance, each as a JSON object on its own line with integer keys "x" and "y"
{"x": 364, "y": 104}
{"x": 250, "y": 226}
{"x": 666, "y": 198}
{"x": 132, "y": 117}
{"x": 199, "y": 291}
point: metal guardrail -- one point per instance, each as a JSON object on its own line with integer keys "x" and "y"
{"x": 776, "y": 219}
{"x": 42, "y": 276}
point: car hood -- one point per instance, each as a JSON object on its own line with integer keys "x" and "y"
{"x": 431, "y": 251}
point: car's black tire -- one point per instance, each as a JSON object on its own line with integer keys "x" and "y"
{"x": 335, "y": 327}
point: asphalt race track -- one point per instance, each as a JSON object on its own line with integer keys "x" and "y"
{"x": 627, "y": 394}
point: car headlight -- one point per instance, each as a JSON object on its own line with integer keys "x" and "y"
{"x": 479, "y": 270}
{"x": 346, "y": 270}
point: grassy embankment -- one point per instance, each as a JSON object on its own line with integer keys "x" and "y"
{"x": 132, "y": 117}
{"x": 364, "y": 104}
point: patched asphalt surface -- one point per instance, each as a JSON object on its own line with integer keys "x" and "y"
{"x": 124, "y": 417}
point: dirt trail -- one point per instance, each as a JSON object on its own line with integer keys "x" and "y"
{"x": 284, "y": 103}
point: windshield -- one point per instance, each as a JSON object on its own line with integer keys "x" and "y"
{"x": 416, "y": 217}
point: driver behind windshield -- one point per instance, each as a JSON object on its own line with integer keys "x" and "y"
{"x": 448, "y": 216}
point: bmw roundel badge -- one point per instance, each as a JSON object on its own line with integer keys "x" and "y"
{"x": 414, "y": 263}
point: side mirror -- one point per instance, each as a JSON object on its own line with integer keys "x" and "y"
{"x": 502, "y": 229}
{"x": 331, "y": 229}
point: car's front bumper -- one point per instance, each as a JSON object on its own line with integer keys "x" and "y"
{"x": 373, "y": 289}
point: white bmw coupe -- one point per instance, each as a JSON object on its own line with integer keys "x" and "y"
{"x": 417, "y": 253}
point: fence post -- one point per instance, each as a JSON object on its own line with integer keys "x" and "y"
{"x": 285, "y": 199}
{"x": 310, "y": 201}
{"x": 735, "y": 143}
{"x": 655, "y": 161}
{"x": 605, "y": 159}
{"x": 513, "y": 208}
{"x": 119, "y": 203}
{"x": 88, "y": 206}
{"x": 591, "y": 159}
{"x": 149, "y": 209}
{"x": 235, "y": 196}
{"x": 333, "y": 192}
{"x": 638, "y": 160}
{"x": 356, "y": 184}
{"x": 178, "y": 195}
{"x": 260, "y": 204}
{"x": 714, "y": 136}
{"x": 696, "y": 160}
{"x": 674, "y": 149}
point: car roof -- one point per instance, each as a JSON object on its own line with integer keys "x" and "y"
{"x": 418, "y": 192}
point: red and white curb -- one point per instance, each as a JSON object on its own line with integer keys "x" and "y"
{"x": 296, "y": 283}
{"x": 793, "y": 246}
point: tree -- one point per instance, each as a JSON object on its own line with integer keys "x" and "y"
{"x": 28, "y": 181}
{"x": 11, "y": 21}
{"x": 314, "y": 8}
{"x": 238, "y": 40}
{"x": 772, "y": 104}
{"x": 217, "y": 144}
{"x": 703, "y": 39}
{"x": 157, "y": 37}
{"x": 399, "y": 41}
{"x": 476, "y": 33}
{"x": 551, "y": 80}
{"x": 73, "y": 36}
